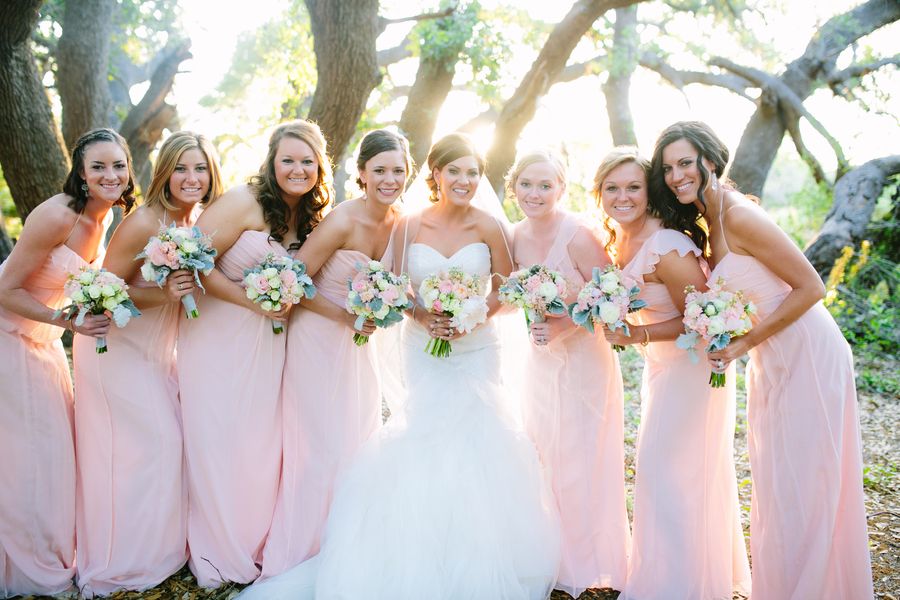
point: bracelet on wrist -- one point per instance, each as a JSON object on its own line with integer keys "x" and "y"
{"x": 646, "y": 336}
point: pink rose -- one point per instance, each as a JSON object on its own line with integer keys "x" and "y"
{"x": 445, "y": 286}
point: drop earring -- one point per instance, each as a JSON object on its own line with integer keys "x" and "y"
{"x": 714, "y": 182}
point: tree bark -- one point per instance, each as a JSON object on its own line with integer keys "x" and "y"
{"x": 6, "y": 244}
{"x": 855, "y": 195}
{"x": 551, "y": 60}
{"x": 617, "y": 87}
{"x": 344, "y": 35}
{"x": 434, "y": 80}
{"x": 32, "y": 154}
{"x": 83, "y": 65}
{"x": 763, "y": 135}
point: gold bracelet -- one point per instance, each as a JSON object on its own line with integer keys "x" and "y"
{"x": 646, "y": 336}
{"x": 415, "y": 306}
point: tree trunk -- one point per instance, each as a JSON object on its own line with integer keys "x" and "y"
{"x": 624, "y": 57}
{"x": 344, "y": 36}
{"x": 551, "y": 60}
{"x": 855, "y": 195}
{"x": 764, "y": 133}
{"x": 83, "y": 65}
{"x": 6, "y": 244}
{"x": 32, "y": 154}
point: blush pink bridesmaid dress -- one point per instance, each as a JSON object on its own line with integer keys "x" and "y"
{"x": 131, "y": 508}
{"x": 37, "y": 468}
{"x": 332, "y": 404}
{"x": 688, "y": 542}
{"x": 808, "y": 534}
{"x": 229, "y": 376}
{"x": 573, "y": 410}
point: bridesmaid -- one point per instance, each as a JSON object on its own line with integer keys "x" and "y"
{"x": 332, "y": 402}
{"x": 131, "y": 505}
{"x": 37, "y": 472}
{"x": 808, "y": 521}
{"x": 688, "y": 541}
{"x": 573, "y": 405}
{"x": 230, "y": 362}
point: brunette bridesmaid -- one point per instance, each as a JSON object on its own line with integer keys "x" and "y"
{"x": 808, "y": 519}
{"x": 230, "y": 362}
{"x": 688, "y": 542}
{"x": 573, "y": 406}
{"x": 37, "y": 472}
{"x": 131, "y": 506}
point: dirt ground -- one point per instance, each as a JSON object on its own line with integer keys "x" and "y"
{"x": 877, "y": 381}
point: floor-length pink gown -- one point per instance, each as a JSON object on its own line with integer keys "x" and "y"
{"x": 37, "y": 452}
{"x": 131, "y": 508}
{"x": 332, "y": 404}
{"x": 573, "y": 410}
{"x": 688, "y": 542}
{"x": 808, "y": 534}
{"x": 229, "y": 375}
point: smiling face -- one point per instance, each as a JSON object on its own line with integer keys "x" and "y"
{"x": 189, "y": 182}
{"x": 623, "y": 193}
{"x": 105, "y": 171}
{"x": 296, "y": 167}
{"x": 538, "y": 189}
{"x": 458, "y": 180}
{"x": 384, "y": 176}
{"x": 681, "y": 171}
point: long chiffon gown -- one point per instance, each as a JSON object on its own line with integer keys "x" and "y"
{"x": 808, "y": 519}
{"x": 573, "y": 410}
{"x": 229, "y": 374}
{"x": 332, "y": 404}
{"x": 131, "y": 508}
{"x": 446, "y": 501}
{"x": 688, "y": 542}
{"x": 37, "y": 468}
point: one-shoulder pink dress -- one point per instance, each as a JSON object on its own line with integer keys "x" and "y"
{"x": 131, "y": 508}
{"x": 573, "y": 410}
{"x": 37, "y": 451}
{"x": 808, "y": 534}
{"x": 229, "y": 375}
{"x": 688, "y": 542}
{"x": 332, "y": 404}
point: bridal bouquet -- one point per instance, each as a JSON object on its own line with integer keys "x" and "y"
{"x": 607, "y": 298}
{"x": 278, "y": 281}
{"x": 456, "y": 294}
{"x": 175, "y": 248}
{"x": 377, "y": 294}
{"x": 715, "y": 316}
{"x": 97, "y": 291}
{"x": 537, "y": 290}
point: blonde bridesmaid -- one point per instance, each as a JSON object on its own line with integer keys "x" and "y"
{"x": 688, "y": 542}
{"x": 37, "y": 472}
{"x": 808, "y": 519}
{"x": 230, "y": 362}
{"x": 131, "y": 505}
{"x": 332, "y": 402}
{"x": 574, "y": 398}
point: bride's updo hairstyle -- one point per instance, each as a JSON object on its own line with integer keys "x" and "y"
{"x": 618, "y": 156}
{"x": 533, "y": 157}
{"x": 376, "y": 142}
{"x": 445, "y": 151}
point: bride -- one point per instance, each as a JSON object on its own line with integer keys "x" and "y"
{"x": 447, "y": 499}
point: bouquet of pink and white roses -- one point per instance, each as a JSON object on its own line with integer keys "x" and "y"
{"x": 715, "y": 316}
{"x": 175, "y": 248}
{"x": 456, "y": 294}
{"x": 607, "y": 298}
{"x": 377, "y": 294}
{"x": 276, "y": 282}
{"x": 97, "y": 291}
{"x": 537, "y": 290}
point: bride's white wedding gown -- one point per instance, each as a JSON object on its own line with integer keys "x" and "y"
{"x": 447, "y": 500}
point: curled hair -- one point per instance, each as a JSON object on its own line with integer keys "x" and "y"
{"x": 313, "y": 203}
{"x": 445, "y": 151}
{"x": 75, "y": 179}
{"x": 686, "y": 218}
{"x": 169, "y": 154}
{"x": 376, "y": 142}
{"x": 532, "y": 158}
{"x": 618, "y": 156}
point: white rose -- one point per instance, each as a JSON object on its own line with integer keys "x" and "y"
{"x": 147, "y": 272}
{"x": 716, "y": 326}
{"x": 266, "y": 305}
{"x": 189, "y": 246}
{"x": 108, "y": 291}
{"x": 548, "y": 291}
{"x": 275, "y": 295}
{"x": 609, "y": 283}
{"x": 472, "y": 312}
{"x": 692, "y": 311}
{"x": 78, "y": 297}
{"x": 609, "y": 312}
{"x": 710, "y": 309}
{"x": 252, "y": 294}
{"x": 93, "y": 291}
{"x": 86, "y": 277}
{"x": 382, "y": 312}
{"x": 270, "y": 272}
{"x": 374, "y": 265}
{"x": 110, "y": 303}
